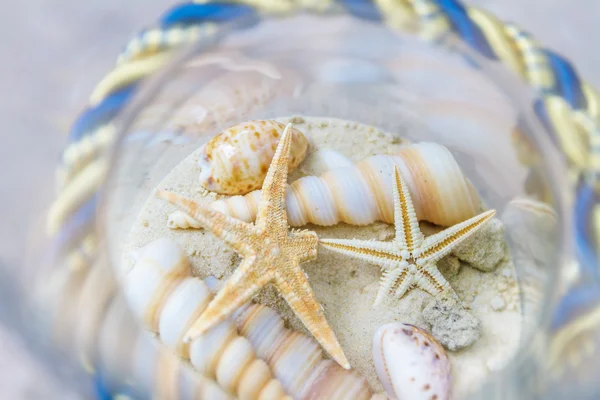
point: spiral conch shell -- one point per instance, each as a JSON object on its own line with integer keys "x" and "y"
{"x": 251, "y": 356}
{"x": 410, "y": 363}
{"x": 168, "y": 299}
{"x": 362, "y": 193}
{"x": 236, "y": 160}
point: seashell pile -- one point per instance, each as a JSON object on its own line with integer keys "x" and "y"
{"x": 252, "y": 353}
{"x": 250, "y": 357}
{"x": 236, "y": 160}
{"x": 362, "y": 194}
{"x": 410, "y": 363}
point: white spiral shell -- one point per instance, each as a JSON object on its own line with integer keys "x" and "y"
{"x": 296, "y": 360}
{"x": 410, "y": 363}
{"x": 180, "y": 220}
{"x": 236, "y": 160}
{"x": 317, "y": 162}
{"x": 252, "y": 355}
{"x": 168, "y": 299}
{"x": 362, "y": 194}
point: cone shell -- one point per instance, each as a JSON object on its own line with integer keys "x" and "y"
{"x": 162, "y": 292}
{"x": 362, "y": 193}
{"x": 410, "y": 363}
{"x": 296, "y": 360}
{"x": 157, "y": 369}
{"x": 236, "y": 160}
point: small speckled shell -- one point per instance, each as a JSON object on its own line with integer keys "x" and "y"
{"x": 236, "y": 160}
{"x": 410, "y": 363}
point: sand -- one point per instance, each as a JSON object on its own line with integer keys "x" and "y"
{"x": 346, "y": 288}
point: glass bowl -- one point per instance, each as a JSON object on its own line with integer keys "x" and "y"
{"x": 323, "y": 66}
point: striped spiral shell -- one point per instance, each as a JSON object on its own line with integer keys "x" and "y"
{"x": 126, "y": 353}
{"x": 296, "y": 360}
{"x": 252, "y": 355}
{"x": 162, "y": 292}
{"x": 362, "y": 194}
{"x": 318, "y": 161}
{"x": 236, "y": 160}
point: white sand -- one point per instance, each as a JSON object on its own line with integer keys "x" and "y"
{"x": 346, "y": 288}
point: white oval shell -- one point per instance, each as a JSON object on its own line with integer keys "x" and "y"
{"x": 362, "y": 193}
{"x": 410, "y": 363}
{"x": 236, "y": 160}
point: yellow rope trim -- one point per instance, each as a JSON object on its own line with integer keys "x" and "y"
{"x": 433, "y": 23}
{"x": 399, "y": 14}
{"x": 593, "y": 101}
{"x": 128, "y": 73}
{"x": 78, "y": 154}
{"x": 276, "y": 7}
{"x": 570, "y": 134}
{"x": 76, "y": 193}
{"x": 537, "y": 68}
{"x": 505, "y": 49}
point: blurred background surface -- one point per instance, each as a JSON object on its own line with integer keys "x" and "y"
{"x": 55, "y": 52}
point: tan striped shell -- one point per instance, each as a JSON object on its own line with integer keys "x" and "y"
{"x": 168, "y": 299}
{"x": 362, "y": 193}
{"x": 296, "y": 360}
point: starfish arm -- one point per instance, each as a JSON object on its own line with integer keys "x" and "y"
{"x": 305, "y": 244}
{"x": 408, "y": 233}
{"x": 243, "y": 284}
{"x": 384, "y": 254}
{"x": 396, "y": 280}
{"x": 271, "y": 208}
{"x": 232, "y": 231}
{"x": 430, "y": 279}
{"x": 294, "y": 288}
{"x": 438, "y": 245}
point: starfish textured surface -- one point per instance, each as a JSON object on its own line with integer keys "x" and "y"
{"x": 410, "y": 259}
{"x": 270, "y": 254}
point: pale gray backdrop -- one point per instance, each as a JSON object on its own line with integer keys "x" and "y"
{"x": 56, "y": 50}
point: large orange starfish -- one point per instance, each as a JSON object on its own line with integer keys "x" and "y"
{"x": 271, "y": 254}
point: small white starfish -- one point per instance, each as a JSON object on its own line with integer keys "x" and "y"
{"x": 409, "y": 260}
